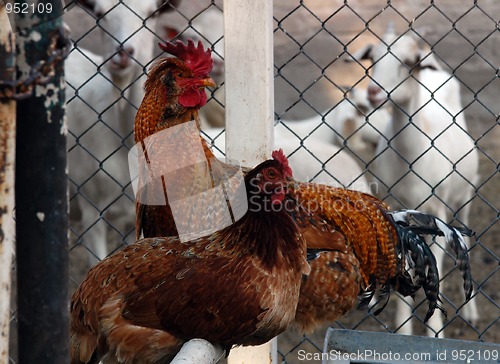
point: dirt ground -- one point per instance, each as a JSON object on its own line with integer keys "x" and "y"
{"x": 480, "y": 91}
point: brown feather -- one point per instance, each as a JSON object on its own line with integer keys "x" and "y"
{"x": 238, "y": 286}
{"x": 330, "y": 291}
{"x": 360, "y": 219}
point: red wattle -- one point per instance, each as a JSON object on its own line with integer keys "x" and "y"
{"x": 193, "y": 98}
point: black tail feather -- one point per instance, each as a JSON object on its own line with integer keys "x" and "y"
{"x": 365, "y": 298}
{"x": 421, "y": 223}
{"x": 421, "y": 259}
{"x": 414, "y": 252}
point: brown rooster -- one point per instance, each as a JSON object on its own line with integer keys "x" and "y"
{"x": 238, "y": 286}
{"x": 174, "y": 93}
{"x": 369, "y": 247}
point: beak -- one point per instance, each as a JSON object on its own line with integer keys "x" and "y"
{"x": 206, "y": 82}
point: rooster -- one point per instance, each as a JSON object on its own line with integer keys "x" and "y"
{"x": 238, "y": 286}
{"x": 369, "y": 247}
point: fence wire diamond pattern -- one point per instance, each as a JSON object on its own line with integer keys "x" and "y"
{"x": 313, "y": 39}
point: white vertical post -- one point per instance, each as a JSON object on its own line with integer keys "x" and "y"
{"x": 248, "y": 39}
{"x": 249, "y": 78}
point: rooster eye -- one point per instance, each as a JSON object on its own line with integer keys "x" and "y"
{"x": 271, "y": 174}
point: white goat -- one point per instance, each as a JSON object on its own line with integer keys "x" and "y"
{"x": 316, "y": 160}
{"x": 126, "y": 29}
{"x": 103, "y": 93}
{"x": 426, "y": 158}
{"x": 352, "y": 123}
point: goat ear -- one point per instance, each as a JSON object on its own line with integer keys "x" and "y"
{"x": 167, "y": 6}
{"x": 428, "y": 60}
{"x": 363, "y": 53}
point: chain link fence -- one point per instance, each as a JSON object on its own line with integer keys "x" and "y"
{"x": 312, "y": 40}
{"x": 312, "y": 80}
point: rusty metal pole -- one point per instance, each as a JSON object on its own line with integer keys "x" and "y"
{"x": 41, "y": 191}
{"x": 7, "y": 152}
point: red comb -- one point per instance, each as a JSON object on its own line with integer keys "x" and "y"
{"x": 196, "y": 58}
{"x": 280, "y": 157}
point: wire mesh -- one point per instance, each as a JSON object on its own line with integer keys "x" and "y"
{"x": 314, "y": 39}
{"x": 312, "y": 80}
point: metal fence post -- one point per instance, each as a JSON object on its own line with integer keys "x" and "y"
{"x": 7, "y": 151}
{"x": 248, "y": 29}
{"x": 41, "y": 196}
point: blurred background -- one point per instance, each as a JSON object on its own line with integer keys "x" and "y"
{"x": 312, "y": 39}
